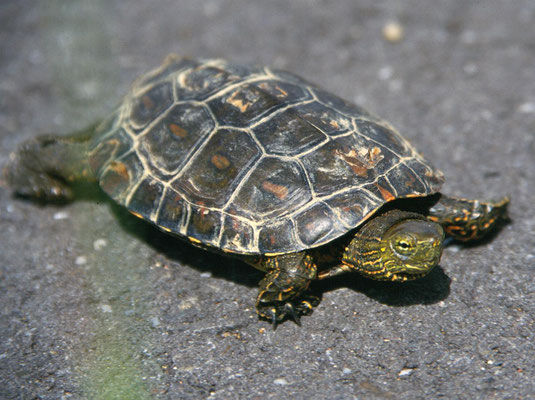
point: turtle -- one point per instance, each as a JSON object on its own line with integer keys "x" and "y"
{"x": 259, "y": 164}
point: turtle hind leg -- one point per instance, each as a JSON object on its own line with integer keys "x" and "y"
{"x": 466, "y": 220}
{"x": 44, "y": 168}
{"x": 282, "y": 292}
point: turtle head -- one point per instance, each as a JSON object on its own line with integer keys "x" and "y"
{"x": 396, "y": 246}
{"x": 410, "y": 249}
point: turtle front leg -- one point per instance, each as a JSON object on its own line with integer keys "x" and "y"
{"x": 45, "y": 167}
{"x": 468, "y": 219}
{"x": 282, "y": 291}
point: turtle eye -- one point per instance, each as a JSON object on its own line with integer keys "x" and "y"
{"x": 404, "y": 245}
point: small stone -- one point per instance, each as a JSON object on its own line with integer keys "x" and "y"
{"x": 81, "y": 260}
{"x": 188, "y": 303}
{"x": 206, "y": 275}
{"x": 99, "y": 244}
{"x": 105, "y": 308}
{"x": 280, "y": 381}
{"x": 155, "y": 322}
{"x": 455, "y": 248}
{"x": 393, "y": 31}
{"x": 61, "y": 215}
{"x": 346, "y": 371}
{"x": 406, "y": 372}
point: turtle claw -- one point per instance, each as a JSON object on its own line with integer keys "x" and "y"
{"x": 269, "y": 313}
{"x": 290, "y": 310}
{"x": 274, "y": 322}
{"x": 276, "y": 312}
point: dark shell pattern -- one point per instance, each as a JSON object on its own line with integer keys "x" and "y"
{"x": 251, "y": 160}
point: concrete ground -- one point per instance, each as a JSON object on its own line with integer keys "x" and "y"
{"x": 98, "y": 305}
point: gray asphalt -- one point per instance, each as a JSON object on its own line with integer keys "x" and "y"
{"x": 98, "y": 305}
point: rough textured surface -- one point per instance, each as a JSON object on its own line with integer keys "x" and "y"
{"x": 96, "y": 304}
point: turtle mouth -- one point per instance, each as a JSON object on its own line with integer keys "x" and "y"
{"x": 404, "y": 276}
{"x": 409, "y": 273}
{"x": 412, "y": 272}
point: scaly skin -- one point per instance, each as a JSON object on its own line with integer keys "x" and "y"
{"x": 44, "y": 168}
{"x": 282, "y": 290}
{"x": 466, "y": 220}
{"x": 396, "y": 246}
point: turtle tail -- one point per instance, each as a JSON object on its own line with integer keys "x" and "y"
{"x": 46, "y": 167}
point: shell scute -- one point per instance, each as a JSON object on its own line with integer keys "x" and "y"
{"x": 288, "y": 134}
{"x": 167, "y": 144}
{"x": 406, "y": 181}
{"x": 147, "y": 106}
{"x": 111, "y": 147}
{"x": 314, "y": 224}
{"x": 172, "y": 211}
{"x": 205, "y": 79}
{"x": 146, "y": 198}
{"x": 276, "y": 236}
{"x": 379, "y": 133}
{"x": 248, "y": 103}
{"x": 237, "y": 234}
{"x": 350, "y": 206}
{"x": 118, "y": 177}
{"x": 274, "y": 188}
{"x": 215, "y": 171}
{"x": 241, "y": 105}
{"x": 326, "y": 119}
{"x": 285, "y": 92}
{"x": 347, "y": 161}
{"x": 203, "y": 224}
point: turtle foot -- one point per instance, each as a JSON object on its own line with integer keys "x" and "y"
{"x": 45, "y": 167}
{"x": 276, "y": 312}
{"x": 28, "y": 180}
{"x": 467, "y": 220}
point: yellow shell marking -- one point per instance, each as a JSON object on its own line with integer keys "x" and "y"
{"x": 136, "y": 214}
{"x": 193, "y": 240}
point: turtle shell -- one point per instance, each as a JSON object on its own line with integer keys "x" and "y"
{"x": 251, "y": 160}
